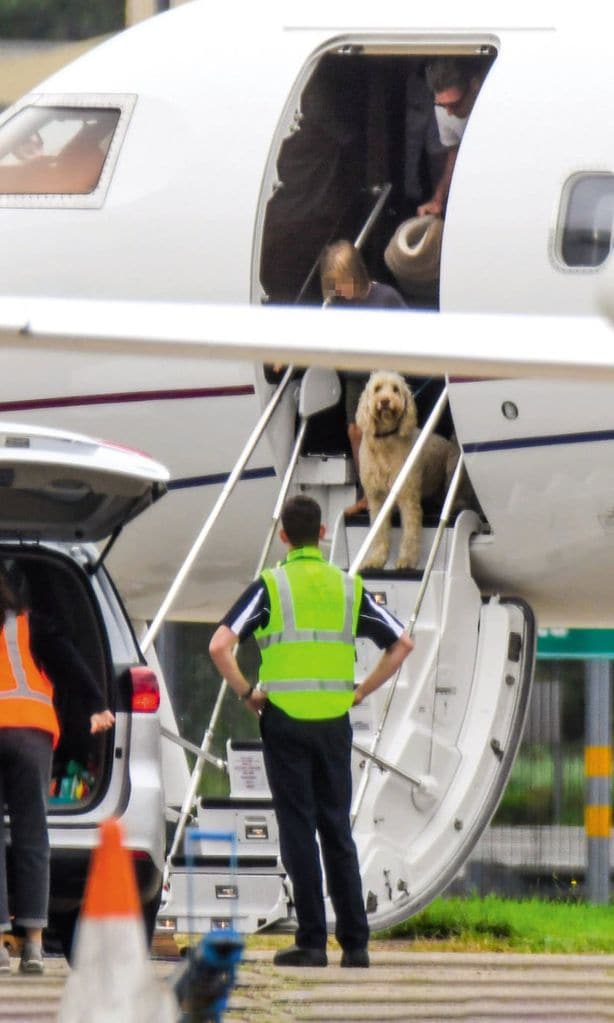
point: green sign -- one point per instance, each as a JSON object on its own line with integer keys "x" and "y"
{"x": 575, "y": 644}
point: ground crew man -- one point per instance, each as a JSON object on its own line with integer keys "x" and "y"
{"x": 305, "y": 616}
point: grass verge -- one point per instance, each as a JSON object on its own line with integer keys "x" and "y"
{"x": 489, "y": 924}
{"x": 495, "y": 924}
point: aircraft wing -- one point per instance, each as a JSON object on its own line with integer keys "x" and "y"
{"x": 459, "y": 344}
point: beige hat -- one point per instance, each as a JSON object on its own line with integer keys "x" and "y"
{"x": 414, "y": 251}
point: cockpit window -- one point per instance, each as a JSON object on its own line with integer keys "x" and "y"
{"x": 55, "y": 150}
{"x": 587, "y": 220}
{"x": 61, "y": 150}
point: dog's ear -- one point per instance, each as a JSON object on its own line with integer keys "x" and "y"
{"x": 363, "y": 418}
{"x": 409, "y": 419}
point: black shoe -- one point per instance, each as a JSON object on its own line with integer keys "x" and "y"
{"x": 356, "y": 957}
{"x": 295, "y": 956}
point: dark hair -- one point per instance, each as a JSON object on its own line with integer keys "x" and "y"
{"x": 342, "y": 259}
{"x": 450, "y": 73}
{"x": 301, "y": 518}
{"x": 10, "y": 598}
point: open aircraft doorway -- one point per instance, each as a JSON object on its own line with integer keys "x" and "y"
{"x": 356, "y": 153}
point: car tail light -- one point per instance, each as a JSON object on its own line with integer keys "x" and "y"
{"x": 145, "y": 691}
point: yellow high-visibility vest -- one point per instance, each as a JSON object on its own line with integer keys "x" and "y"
{"x": 307, "y": 648}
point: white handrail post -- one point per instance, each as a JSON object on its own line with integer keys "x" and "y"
{"x": 415, "y": 453}
{"x": 215, "y": 512}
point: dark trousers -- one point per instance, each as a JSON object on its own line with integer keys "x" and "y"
{"x": 308, "y": 765}
{"x": 25, "y": 769}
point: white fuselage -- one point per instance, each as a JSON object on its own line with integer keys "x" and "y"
{"x": 183, "y": 218}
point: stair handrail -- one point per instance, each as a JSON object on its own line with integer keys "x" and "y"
{"x": 371, "y": 754}
{"x": 381, "y": 193}
{"x": 217, "y": 509}
{"x": 444, "y": 519}
{"x": 203, "y": 754}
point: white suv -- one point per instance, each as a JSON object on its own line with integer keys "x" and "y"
{"x": 59, "y": 493}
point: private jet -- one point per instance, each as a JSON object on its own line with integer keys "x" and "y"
{"x": 164, "y": 202}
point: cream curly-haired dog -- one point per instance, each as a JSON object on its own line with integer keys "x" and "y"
{"x": 387, "y": 418}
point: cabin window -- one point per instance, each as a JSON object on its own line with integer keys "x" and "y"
{"x": 55, "y": 150}
{"x": 60, "y": 153}
{"x": 587, "y": 220}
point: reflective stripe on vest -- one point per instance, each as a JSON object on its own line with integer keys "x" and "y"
{"x": 292, "y": 685}
{"x": 309, "y": 672}
{"x": 26, "y": 694}
{"x": 291, "y": 634}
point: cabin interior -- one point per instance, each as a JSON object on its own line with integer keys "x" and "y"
{"x": 366, "y": 121}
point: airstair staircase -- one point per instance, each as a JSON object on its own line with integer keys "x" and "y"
{"x": 433, "y": 748}
{"x": 206, "y": 891}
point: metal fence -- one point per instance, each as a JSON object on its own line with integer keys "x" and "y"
{"x": 536, "y": 844}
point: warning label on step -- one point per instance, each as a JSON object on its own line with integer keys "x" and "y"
{"x": 247, "y": 774}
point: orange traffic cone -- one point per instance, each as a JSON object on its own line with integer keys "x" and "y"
{"x": 112, "y": 980}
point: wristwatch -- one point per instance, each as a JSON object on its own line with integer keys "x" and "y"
{"x": 247, "y": 695}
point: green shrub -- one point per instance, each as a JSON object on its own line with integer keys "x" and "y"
{"x": 60, "y": 19}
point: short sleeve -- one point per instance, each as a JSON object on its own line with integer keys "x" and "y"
{"x": 249, "y": 612}
{"x": 376, "y": 623}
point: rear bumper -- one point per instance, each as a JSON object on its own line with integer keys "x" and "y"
{"x": 69, "y": 869}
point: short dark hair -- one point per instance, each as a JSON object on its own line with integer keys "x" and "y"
{"x": 450, "y": 73}
{"x": 301, "y": 518}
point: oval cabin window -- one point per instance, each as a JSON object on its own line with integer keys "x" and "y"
{"x": 587, "y": 220}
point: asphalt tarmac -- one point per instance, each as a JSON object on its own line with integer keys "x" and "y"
{"x": 401, "y": 985}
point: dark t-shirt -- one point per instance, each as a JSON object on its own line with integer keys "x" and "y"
{"x": 381, "y": 296}
{"x": 77, "y": 693}
{"x": 64, "y": 665}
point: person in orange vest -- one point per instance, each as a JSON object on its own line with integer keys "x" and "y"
{"x": 29, "y": 732}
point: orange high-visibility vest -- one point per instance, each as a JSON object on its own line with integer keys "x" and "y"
{"x": 26, "y": 694}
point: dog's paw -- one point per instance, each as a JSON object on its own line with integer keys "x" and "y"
{"x": 403, "y": 564}
{"x": 373, "y": 563}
